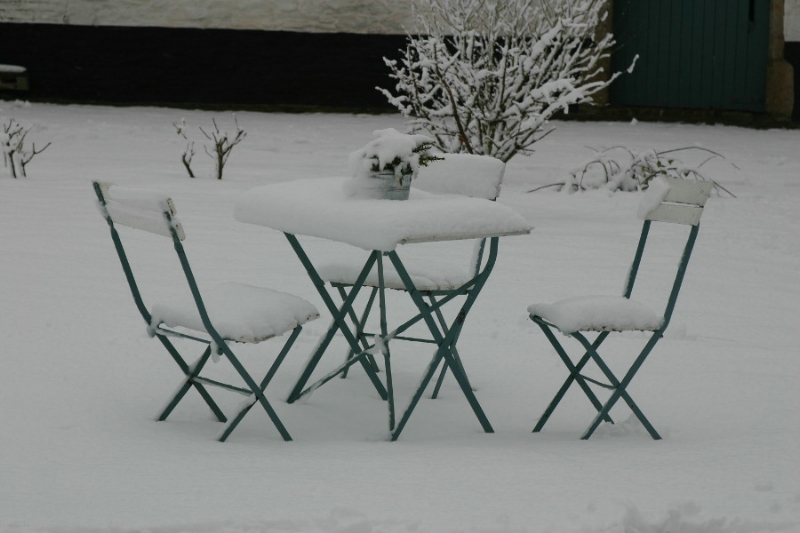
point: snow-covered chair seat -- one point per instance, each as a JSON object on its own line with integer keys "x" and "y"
{"x": 598, "y": 313}
{"x": 239, "y": 312}
{"x": 667, "y": 200}
{"x": 230, "y": 312}
{"x": 426, "y": 278}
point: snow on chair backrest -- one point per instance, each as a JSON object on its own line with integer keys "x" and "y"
{"x": 479, "y": 176}
{"x": 136, "y": 208}
{"x": 674, "y": 200}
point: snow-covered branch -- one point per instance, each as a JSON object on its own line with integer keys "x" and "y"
{"x": 486, "y": 76}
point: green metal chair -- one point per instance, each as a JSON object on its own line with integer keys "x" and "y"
{"x": 666, "y": 200}
{"x": 228, "y": 313}
{"x": 470, "y": 175}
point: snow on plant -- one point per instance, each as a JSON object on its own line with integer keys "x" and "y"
{"x": 392, "y": 151}
{"x": 16, "y": 154}
{"x": 222, "y": 144}
{"x": 485, "y": 76}
{"x": 621, "y": 169}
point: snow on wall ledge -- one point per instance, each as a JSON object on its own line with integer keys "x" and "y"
{"x": 791, "y": 20}
{"x": 322, "y": 16}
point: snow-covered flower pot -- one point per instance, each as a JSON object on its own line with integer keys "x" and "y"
{"x": 385, "y": 167}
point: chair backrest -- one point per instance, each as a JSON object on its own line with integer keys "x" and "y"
{"x": 152, "y": 212}
{"x": 675, "y": 201}
{"x": 138, "y": 208}
{"x": 478, "y": 176}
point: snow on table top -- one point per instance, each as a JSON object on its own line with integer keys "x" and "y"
{"x": 320, "y": 208}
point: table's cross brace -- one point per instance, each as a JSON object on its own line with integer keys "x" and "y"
{"x": 435, "y": 306}
{"x": 456, "y": 356}
{"x": 360, "y": 324}
{"x": 338, "y": 321}
{"x": 446, "y": 338}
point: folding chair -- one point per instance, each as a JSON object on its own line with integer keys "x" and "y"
{"x": 666, "y": 200}
{"x": 228, "y": 313}
{"x": 470, "y": 175}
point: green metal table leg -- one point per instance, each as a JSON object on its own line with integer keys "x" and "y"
{"x": 338, "y": 323}
{"x": 446, "y": 341}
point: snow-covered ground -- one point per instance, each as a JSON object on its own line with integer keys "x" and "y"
{"x": 81, "y": 382}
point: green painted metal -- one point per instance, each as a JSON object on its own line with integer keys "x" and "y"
{"x": 443, "y": 324}
{"x": 693, "y": 54}
{"x": 263, "y": 385}
{"x": 617, "y": 386}
{"x": 446, "y": 340}
{"x": 361, "y": 349}
{"x": 359, "y": 323}
{"x": 192, "y": 372}
{"x": 338, "y": 324}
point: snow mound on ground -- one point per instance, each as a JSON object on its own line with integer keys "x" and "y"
{"x": 683, "y": 518}
{"x": 680, "y": 520}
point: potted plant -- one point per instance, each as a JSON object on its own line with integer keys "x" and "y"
{"x": 385, "y": 166}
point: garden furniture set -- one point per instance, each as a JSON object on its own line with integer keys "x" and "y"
{"x": 450, "y": 200}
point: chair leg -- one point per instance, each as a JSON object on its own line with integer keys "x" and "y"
{"x": 574, "y": 375}
{"x": 257, "y": 391}
{"x": 621, "y": 392}
{"x": 272, "y": 369}
{"x": 191, "y": 373}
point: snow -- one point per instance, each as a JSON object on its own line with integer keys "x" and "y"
{"x": 447, "y": 278}
{"x": 81, "y": 382}
{"x": 466, "y": 174}
{"x": 12, "y": 69}
{"x": 139, "y": 209}
{"x": 321, "y": 207}
{"x": 653, "y": 196}
{"x": 380, "y": 153}
{"x": 239, "y": 311}
{"x": 598, "y": 313}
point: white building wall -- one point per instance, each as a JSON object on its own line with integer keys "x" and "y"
{"x": 351, "y": 16}
{"x": 324, "y": 16}
{"x": 791, "y": 20}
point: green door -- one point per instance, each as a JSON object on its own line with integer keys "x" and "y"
{"x": 693, "y": 54}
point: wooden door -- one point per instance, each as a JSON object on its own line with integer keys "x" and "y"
{"x": 693, "y": 54}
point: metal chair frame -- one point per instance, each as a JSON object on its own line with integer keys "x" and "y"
{"x": 215, "y": 344}
{"x": 683, "y": 204}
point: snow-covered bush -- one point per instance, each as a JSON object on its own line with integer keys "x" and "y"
{"x": 621, "y": 169}
{"x": 221, "y": 144}
{"x": 485, "y": 76}
{"x": 16, "y": 154}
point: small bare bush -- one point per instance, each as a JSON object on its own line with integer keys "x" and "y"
{"x": 16, "y": 154}
{"x": 218, "y": 149}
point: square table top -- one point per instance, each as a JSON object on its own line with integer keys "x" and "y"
{"x": 321, "y": 208}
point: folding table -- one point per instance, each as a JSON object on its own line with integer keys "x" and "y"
{"x": 322, "y": 208}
